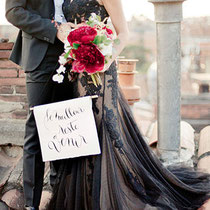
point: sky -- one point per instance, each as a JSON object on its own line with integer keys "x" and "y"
{"x": 191, "y": 8}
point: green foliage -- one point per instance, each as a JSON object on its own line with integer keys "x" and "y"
{"x": 107, "y": 42}
{"x": 117, "y": 41}
{"x": 101, "y": 39}
{"x": 75, "y": 46}
{"x": 67, "y": 55}
{"x": 97, "y": 40}
{"x": 92, "y": 21}
{"x": 137, "y": 52}
{"x": 91, "y": 24}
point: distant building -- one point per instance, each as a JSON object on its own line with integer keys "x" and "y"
{"x": 196, "y": 42}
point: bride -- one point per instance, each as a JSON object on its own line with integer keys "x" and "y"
{"x": 127, "y": 175}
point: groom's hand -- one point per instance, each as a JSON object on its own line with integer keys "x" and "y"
{"x": 63, "y": 30}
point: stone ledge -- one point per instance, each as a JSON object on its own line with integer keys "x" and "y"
{"x": 12, "y": 132}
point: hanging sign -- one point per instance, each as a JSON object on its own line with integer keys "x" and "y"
{"x": 67, "y": 129}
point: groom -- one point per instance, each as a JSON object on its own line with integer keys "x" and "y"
{"x": 37, "y": 49}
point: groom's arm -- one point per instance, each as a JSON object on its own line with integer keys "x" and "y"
{"x": 33, "y": 24}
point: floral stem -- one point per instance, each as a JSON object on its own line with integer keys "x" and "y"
{"x": 94, "y": 79}
{"x": 98, "y": 78}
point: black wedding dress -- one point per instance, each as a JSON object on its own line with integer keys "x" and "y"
{"x": 127, "y": 175}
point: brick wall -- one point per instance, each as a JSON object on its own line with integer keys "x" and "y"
{"x": 196, "y": 110}
{"x": 12, "y": 86}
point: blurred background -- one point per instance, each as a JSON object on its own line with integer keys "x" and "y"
{"x": 195, "y": 91}
{"x": 142, "y": 46}
{"x": 140, "y": 17}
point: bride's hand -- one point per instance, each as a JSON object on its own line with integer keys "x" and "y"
{"x": 63, "y": 30}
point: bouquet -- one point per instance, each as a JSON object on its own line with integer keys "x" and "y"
{"x": 88, "y": 49}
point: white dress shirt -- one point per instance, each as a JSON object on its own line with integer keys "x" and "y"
{"x": 59, "y": 16}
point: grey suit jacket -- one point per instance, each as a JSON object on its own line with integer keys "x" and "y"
{"x": 33, "y": 18}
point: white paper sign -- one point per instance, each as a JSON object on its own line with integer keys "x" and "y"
{"x": 67, "y": 129}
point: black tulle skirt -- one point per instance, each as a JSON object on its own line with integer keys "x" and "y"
{"x": 127, "y": 175}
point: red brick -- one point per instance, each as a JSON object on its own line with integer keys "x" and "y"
{"x": 19, "y": 114}
{"x": 6, "y": 46}
{"x": 20, "y": 89}
{"x": 5, "y": 53}
{"x": 8, "y": 64}
{"x": 12, "y": 81}
{"x": 196, "y": 111}
{"x": 8, "y": 73}
{"x": 13, "y": 98}
{"x": 6, "y": 90}
{"x": 21, "y": 73}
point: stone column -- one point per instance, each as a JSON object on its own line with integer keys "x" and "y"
{"x": 168, "y": 17}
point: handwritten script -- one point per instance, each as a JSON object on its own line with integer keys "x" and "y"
{"x": 67, "y": 127}
{"x": 64, "y": 123}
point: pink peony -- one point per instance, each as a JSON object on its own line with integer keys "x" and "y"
{"x": 78, "y": 67}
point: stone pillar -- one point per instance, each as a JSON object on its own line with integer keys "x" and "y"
{"x": 168, "y": 17}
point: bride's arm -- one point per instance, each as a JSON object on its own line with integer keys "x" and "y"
{"x": 115, "y": 11}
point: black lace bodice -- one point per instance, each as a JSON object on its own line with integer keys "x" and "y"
{"x": 81, "y": 10}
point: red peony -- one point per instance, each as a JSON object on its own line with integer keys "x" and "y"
{"x": 89, "y": 56}
{"x": 84, "y": 34}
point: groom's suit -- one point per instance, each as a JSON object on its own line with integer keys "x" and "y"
{"x": 33, "y": 18}
{"x": 37, "y": 50}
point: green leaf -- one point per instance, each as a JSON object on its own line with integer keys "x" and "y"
{"x": 92, "y": 24}
{"x": 103, "y": 38}
{"x": 89, "y": 22}
{"x": 99, "y": 18}
{"x": 90, "y": 19}
{"x": 76, "y": 46}
{"x": 97, "y": 40}
{"x": 117, "y": 41}
{"x": 67, "y": 55}
{"x": 107, "y": 42}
